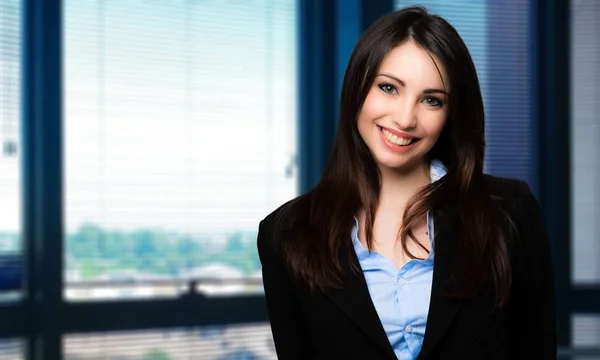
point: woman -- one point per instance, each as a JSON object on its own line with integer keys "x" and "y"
{"x": 406, "y": 249}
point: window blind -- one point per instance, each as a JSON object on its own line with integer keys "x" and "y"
{"x": 585, "y": 147}
{"x": 12, "y": 349}
{"x": 10, "y": 189}
{"x": 180, "y": 136}
{"x": 497, "y": 35}
{"x": 234, "y": 342}
{"x": 586, "y": 331}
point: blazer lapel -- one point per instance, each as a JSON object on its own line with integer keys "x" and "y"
{"x": 355, "y": 301}
{"x": 442, "y": 310}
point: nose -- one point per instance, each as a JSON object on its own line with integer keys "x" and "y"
{"x": 405, "y": 115}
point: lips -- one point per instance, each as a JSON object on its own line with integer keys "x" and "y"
{"x": 398, "y": 138}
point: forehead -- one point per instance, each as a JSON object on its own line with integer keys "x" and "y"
{"x": 415, "y": 66}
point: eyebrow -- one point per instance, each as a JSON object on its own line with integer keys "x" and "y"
{"x": 426, "y": 91}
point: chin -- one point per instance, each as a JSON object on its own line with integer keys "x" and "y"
{"x": 389, "y": 161}
{"x": 396, "y": 164}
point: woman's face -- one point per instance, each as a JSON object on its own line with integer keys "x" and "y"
{"x": 405, "y": 110}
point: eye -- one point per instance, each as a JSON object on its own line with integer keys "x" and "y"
{"x": 433, "y": 101}
{"x": 388, "y": 88}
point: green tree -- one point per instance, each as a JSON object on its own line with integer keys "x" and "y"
{"x": 89, "y": 269}
{"x": 145, "y": 244}
{"x": 84, "y": 243}
{"x": 235, "y": 244}
{"x": 114, "y": 246}
{"x": 156, "y": 355}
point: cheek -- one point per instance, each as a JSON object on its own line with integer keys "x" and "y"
{"x": 373, "y": 108}
{"x": 434, "y": 125}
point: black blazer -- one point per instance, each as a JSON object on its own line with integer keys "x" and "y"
{"x": 343, "y": 324}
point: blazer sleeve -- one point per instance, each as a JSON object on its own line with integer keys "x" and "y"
{"x": 290, "y": 334}
{"x": 532, "y": 330}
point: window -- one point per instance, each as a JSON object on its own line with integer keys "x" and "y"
{"x": 585, "y": 163}
{"x": 239, "y": 342}
{"x": 497, "y": 35}
{"x": 585, "y": 148}
{"x": 10, "y": 159}
{"x": 180, "y": 135}
{"x": 11, "y": 349}
{"x": 586, "y": 331}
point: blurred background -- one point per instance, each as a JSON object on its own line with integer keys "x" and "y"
{"x": 142, "y": 141}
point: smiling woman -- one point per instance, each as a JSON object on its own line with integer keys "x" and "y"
{"x": 403, "y": 114}
{"x": 405, "y": 248}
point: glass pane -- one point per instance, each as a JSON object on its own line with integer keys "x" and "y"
{"x": 498, "y": 37}
{"x": 232, "y": 342}
{"x": 572, "y": 354}
{"x": 180, "y": 135}
{"x": 11, "y": 349}
{"x": 586, "y": 331}
{"x": 585, "y": 147}
{"x": 10, "y": 158}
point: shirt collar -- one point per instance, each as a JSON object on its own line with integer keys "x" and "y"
{"x": 361, "y": 252}
{"x": 437, "y": 170}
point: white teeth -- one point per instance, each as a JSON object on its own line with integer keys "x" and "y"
{"x": 396, "y": 140}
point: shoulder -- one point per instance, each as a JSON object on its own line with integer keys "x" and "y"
{"x": 283, "y": 217}
{"x": 521, "y": 207}
{"x": 507, "y": 188}
{"x": 285, "y": 214}
{"x": 515, "y": 197}
{"x": 517, "y": 202}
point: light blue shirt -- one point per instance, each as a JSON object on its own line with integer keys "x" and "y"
{"x": 401, "y": 297}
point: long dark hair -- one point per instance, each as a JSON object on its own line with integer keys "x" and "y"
{"x": 315, "y": 227}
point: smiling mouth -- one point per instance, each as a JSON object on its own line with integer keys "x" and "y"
{"x": 397, "y": 140}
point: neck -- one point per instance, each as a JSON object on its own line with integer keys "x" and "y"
{"x": 397, "y": 187}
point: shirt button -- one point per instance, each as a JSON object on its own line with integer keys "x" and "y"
{"x": 401, "y": 282}
{"x": 408, "y": 329}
